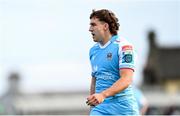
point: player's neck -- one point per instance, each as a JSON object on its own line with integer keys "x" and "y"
{"x": 106, "y": 38}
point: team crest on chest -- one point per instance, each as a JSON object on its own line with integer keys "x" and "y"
{"x": 109, "y": 56}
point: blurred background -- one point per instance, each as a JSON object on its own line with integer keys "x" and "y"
{"x": 44, "y": 48}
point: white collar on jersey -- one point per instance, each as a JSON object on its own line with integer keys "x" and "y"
{"x": 113, "y": 38}
{"x": 105, "y": 45}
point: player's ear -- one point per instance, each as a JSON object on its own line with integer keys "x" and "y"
{"x": 106, "y": 26}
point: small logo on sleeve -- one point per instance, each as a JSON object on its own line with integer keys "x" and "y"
{"x": 127, "y": 54}
{"x": 127, "y": 58}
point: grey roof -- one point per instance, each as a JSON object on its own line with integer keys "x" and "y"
{"x": 168, "y": 62}
{"x": 163, "y": 62}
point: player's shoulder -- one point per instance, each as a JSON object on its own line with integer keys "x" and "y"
{"x": 122, "y": 41}
{"x": 94, "y": 47}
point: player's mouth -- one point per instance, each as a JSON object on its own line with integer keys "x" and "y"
{"x": 93, "y": 34}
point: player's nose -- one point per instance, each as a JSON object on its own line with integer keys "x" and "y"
{"x": 90, "y": 29}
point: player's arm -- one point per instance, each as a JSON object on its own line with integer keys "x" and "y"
{"x": 126, "y": 65}
{"x": 92, "y": 92}
{"x": 92, "y": 87}
{"x": 121, "y": 84}
{"x": 118, "y": 86}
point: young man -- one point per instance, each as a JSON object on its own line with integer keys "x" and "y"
{"x": 112, "y": 61}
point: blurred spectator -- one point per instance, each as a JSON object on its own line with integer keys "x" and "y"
{"x": 141, "y": 100}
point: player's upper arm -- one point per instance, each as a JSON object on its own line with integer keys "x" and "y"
{"x": 127, "y": 75}
{"x": 127, "y": 56}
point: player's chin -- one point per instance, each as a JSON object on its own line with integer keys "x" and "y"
{"x": 95, "y": 40}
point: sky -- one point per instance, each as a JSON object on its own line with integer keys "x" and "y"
{"x": 47, "y": 41}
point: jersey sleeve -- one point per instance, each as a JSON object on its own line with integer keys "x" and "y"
{"x": 126, "y": 56}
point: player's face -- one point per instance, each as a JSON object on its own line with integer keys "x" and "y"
{"x": 97, "y": 29}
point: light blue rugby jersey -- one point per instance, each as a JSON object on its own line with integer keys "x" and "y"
{"x": 107, "y": 60}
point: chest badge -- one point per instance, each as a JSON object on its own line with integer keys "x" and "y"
{"x": 109, "y": 56}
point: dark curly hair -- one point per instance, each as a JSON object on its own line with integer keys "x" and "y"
{"x": 108, "y": 17}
